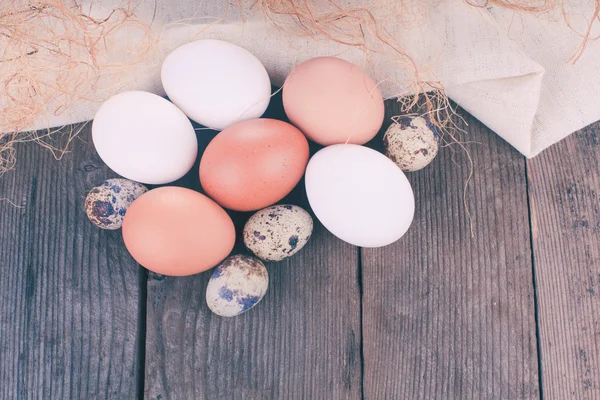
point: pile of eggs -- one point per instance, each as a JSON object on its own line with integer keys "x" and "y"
{"x": 357, "y": 193}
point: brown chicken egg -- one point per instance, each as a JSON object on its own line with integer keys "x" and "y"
{"x": 332, "y": 101}
{"x": 253, "y": 164}
{"x": 177, "y": 231}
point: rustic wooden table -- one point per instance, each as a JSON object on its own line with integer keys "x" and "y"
{"x": 511, "y": 313}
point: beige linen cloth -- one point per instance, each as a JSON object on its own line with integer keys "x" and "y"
{"x": 510, "y": 70}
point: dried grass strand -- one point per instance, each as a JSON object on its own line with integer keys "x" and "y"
{"x": 54, "y": 54}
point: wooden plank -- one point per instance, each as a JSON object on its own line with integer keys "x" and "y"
{"x": 447, "y": 316}
{"x": 69, "y": 291}
{"x": 565, "y": 196}
{"x": 301, "y": 342}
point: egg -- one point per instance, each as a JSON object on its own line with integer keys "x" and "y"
{"x": 253, "y": 164}
{"x": 277, "y": 232}
{"x": 333, "y": 101}
{"x": 106, "y": 204}
{"x": 412, "y": 143}
{"x": 216, "y": 83}
{"x": 144, "y": 137}
{"x": 359, "y": 195}
{"x": 177, "y": 231}
{"x": 236, "y": 285}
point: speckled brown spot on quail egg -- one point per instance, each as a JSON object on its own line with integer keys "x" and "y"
{"x": 412, "y": 143}
{"x": 106, "y": 204}
{"x": 277, "y": 232}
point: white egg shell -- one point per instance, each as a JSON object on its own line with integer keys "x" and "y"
{"x": 359, "y": 195}
{"x": 412, "y": 143}
{"x": 236, "y": 285}
{"x": 277, "y": 232}
{"x": 144, "y": 137}
{"x": 216, "y": 83}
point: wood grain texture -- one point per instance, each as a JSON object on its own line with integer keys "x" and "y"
{"x": 565, "y": 196}
{"x": 68, "y": 290}
{"x": 447, "y": 316}
{"x": 302, "y": 341}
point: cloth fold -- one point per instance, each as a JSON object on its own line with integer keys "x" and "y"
{"x": 510, "y": 70}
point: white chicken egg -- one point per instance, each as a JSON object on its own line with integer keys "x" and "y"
{"x": 216, "y": 83}
{"x": 359, "y": 195}
{"x": 145, "y": 138}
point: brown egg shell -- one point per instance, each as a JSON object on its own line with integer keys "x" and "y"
{"x": 176, "y": 231}
{"x": 253, "y": 164}
{"x": 332, "y": 101}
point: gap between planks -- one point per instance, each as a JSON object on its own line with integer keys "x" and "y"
{"x": 141, "y": 332}
{"x": 361, "y": 320}
{"x": 534, "y": 281}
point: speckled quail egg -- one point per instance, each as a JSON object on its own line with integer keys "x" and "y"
{"x": 278, "y": 232}
{"x": 412, "y": 143}
{"x": 236, "y": 285}
{"x": 106, "y": 204}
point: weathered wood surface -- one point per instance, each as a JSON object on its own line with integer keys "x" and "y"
{"x": 68, "y": 291}
{"x": 301, "y": 342}
{"x": 437, "y": 315}
{"x": 447, "y": 316}
{"x": 565, "y": 196}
